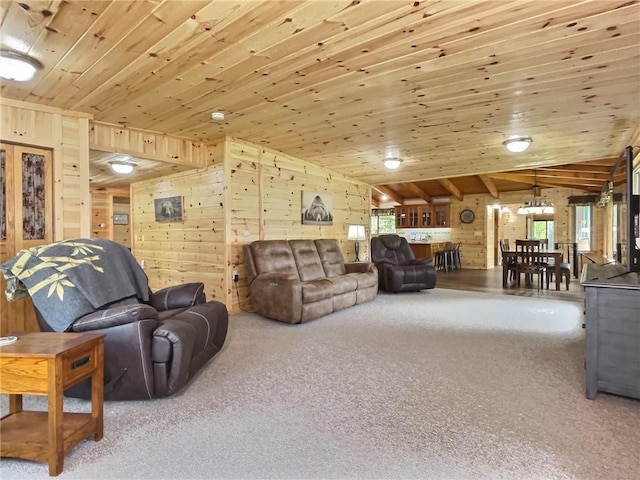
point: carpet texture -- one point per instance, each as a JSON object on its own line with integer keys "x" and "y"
{"x": 438, "y": 384}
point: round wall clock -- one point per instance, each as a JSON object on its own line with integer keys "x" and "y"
{"x": 467, "y": 216}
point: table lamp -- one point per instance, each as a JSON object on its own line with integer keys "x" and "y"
{"x": 356, "y": 233}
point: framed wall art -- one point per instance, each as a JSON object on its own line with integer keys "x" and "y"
{"x": 168, "y": 209}
{"x": 317, "y": 208}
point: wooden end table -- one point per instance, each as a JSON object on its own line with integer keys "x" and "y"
{"x": 46, "y": 364}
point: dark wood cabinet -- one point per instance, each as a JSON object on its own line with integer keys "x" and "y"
{"x": 422, "y": 216}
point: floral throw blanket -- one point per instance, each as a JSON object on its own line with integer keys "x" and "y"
{"x": 69, "y": 279}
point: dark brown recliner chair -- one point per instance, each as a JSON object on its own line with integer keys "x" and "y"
{"x": 155, "y": 342}
{"x": 398, "y": 268}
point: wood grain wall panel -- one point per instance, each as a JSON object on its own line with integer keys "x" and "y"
{"x": 188, "y": 251}
{"x": 100, "y": 215}
{"x": 121, "y": 233}
{"x": 151, "y": 145}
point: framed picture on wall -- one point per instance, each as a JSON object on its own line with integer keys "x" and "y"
{"x": 168, "y": 209}
{"x": 317, "y": 208}
{"x": 121, "y": 219}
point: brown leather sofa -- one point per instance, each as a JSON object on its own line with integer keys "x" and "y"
{"x": 298, "y": 280}
{"x": 398, "y": 268}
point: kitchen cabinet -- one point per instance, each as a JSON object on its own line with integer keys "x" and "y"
{"x": 422, "y": 216}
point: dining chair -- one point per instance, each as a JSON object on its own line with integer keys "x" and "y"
{"x": 529, "y": 262}
{"x": 511, "y": 262}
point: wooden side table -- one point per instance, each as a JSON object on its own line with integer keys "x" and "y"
{"x": 46, "y": 364}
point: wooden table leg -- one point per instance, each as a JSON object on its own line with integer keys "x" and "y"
{"x": 504, "y": 273}
{"x": 55, "y": 418}
{"x": 97, "y": 392}
{"x": 15, "y": 403}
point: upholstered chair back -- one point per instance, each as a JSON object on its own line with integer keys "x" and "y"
{"x": 391, "y": 248}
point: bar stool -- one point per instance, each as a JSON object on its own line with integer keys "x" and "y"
{"x": 440, "y": 258}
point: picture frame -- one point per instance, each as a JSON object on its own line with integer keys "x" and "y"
{"x": 168, "y": 209}
{"x": 121, "y": 219}
{"x": 317, "y": 208}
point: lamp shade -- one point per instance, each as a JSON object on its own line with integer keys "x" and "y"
{"x": 356, "y": 232}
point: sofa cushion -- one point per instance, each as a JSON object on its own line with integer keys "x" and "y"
{"x": 331, "y": 257}
{"x": 364, "y": 280}
{"x": 274, "y": 256}
{"x": 307, "y": 260}
{"x": 343, "y": 284}
{"x": 315, "y": 290}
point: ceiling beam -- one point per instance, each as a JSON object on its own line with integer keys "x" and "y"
{"x": 490, "y": 186}
{"x": 419, "y": 192}
{"x": 389, "y": 193}
{"x": 455, "y": 191}
{"x": 549, "y": 182}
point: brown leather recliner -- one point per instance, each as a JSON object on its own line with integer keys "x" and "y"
{"x": 155, "y": 342}
{"x": 152, "y": 350}
{"x": 398, "y": 268}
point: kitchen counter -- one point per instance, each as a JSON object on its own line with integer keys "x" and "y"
{"x": 425, "y": 249}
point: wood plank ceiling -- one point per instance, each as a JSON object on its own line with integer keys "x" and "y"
{"x": 342, "y": 83}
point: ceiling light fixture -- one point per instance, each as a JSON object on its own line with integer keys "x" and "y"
{"x": 517, "y": 144}
{"x": 217, "y": 116}
{"x": 536, "y": 206}
{"x": 122, "y": 167}
{"x": 18, "y": 67}
{"x": 391, "y": 163}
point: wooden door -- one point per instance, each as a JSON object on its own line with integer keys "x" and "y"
{"x": 26, "y": 220}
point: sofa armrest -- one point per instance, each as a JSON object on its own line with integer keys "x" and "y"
{"x": 360, "y": 267}
{"x": 277, "y": 295}
{"x": 178, "y": 296}
{"x": 115, "y": 316}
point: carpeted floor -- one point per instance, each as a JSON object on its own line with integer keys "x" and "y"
{"x": 439, "y": 384}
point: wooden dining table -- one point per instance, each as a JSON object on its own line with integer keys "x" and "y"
{"x": 542, "y": 256}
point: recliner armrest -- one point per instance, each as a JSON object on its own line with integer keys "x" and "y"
{"x": 422, "y": 261}
{"x": 115, "y": 316}
{"x": 178, "y": 296}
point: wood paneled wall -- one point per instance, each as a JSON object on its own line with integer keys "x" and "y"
{"x": 247, "y": 193}
{"x": 122, "y": 233}
{"x": 101, "y": 215}
{"x": 192, "y": 250}
{"x": 67, "y": 135}
{"x": 145, "y": 144}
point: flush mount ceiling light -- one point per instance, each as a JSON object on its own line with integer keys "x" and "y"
{"x": 391, "y": 163}
{"x": 18, "y": 67}
{"x": 123, "y": 167}
{"x": 217, "y": 116}
{"x": 517, "y": 144}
